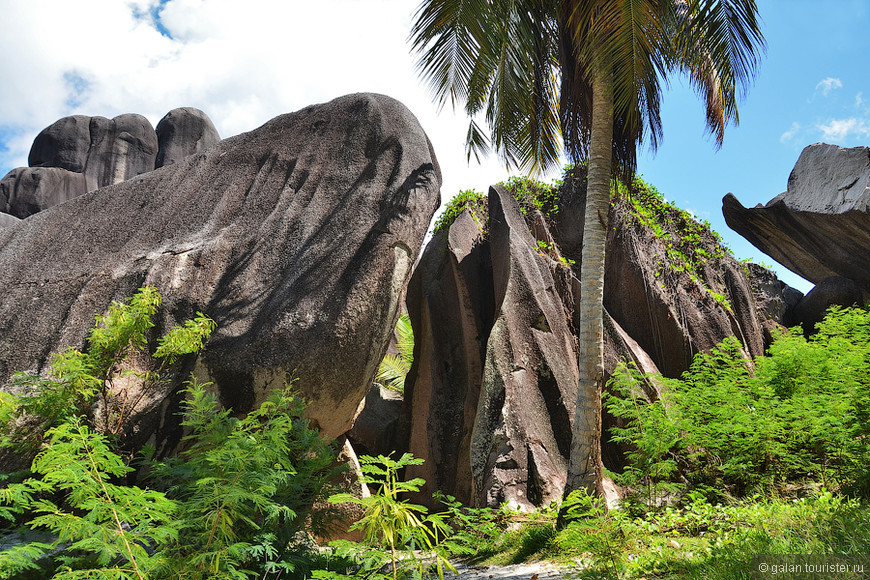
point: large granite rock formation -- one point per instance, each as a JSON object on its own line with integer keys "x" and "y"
{"x": 298, "y": 238}
{"x": 820, "y": 226}
{"x": 106, "y": 151}
{"x": 490, "y": 397}
{"x": 7, "y": 220}
{"x": 182, "y": 132}
{"x": 78, "y": 154}
{"x": 450, "y": 302}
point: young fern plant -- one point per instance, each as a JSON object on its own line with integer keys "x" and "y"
{"x": 110, "y": 530}
{"x": 393, "y": 523}
{"x": 242, "y": 486}
{"x": 227, "y": 508}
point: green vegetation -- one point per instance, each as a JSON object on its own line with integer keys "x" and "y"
{"x": 394, "y": 368}
{"x": 695, "y": 539}
{"x": 229, "y": 506}
{"x": 391, "y": 523}
{"x": 737, "y": 458}
{"x": 688, "y": 244}
{"x": 733, "y": 462}
{"x": 96, "y": 385}
{"x": 531, "y": 194}
{"x": 799, "y": 419}
{"x": 469, "y": 199}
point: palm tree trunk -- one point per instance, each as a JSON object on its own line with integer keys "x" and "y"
{"x": 584, "y": 463}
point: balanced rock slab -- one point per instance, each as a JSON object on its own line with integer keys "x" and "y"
{"x": 182, "y": 132}
{"x": 297, "y": 238}
{"x": 820, "y": 226}
{"x": 78, "y": 154}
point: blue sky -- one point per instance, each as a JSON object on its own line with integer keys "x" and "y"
{"x": 243, "y": 66}
{"x": 813, "y": 85}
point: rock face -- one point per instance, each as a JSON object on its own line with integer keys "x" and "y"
{"x": 298, "y": 238}
{"x": 820, "y": 226}
{"x": 374, "y": 429}
{"x": 78, "y": 154}
{"x": 518, "y": 451}
{"x": 183, "y": 132}
{"x": 490, "y": 398}
{"x": 450, "y": 302}
{"x": 7, "y": 220}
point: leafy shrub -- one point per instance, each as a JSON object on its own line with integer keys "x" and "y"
{"x": 475, "y": 531}
{"x": 688, "y": 244}
{"x": 100, "y": 525}
{"x": 533, "y": 194}
{"x": 530, "y": 193}
{"x": 469, "y": 199}
{"x": 244, "y": 487}
{"x": 96, "y": 385}
{"x": 802, "y": 417}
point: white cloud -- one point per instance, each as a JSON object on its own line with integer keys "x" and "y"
{"x": 829, "y": 84}
{"x": 859, "y": 100}
{"x": 241, "y": 63}
{"x": 842, "y": 129}
{"x": 790, "y": 134}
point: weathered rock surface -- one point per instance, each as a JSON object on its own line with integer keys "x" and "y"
{"x": 820, "y": 226}
{"x": 78, "y": 154}
{"x": 490, "y": 397}
{"x": 374, "y": 429}
{"x": 518, "y": 443}
{"x": 182, "y": 132}
{"x": 450, "y": 302}
{"x": 670, "y": 315}
{"x": 7, "y": 220}
{"x": 297, "y": 238}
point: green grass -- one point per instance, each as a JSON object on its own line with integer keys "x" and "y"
{"x": 694, "y": 540}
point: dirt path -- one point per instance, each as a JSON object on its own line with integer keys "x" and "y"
{"x": 533, "y": 571}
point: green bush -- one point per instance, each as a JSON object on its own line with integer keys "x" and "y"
{"x": 801, "y": 417}
{"x": 94, "y": 385}
{"x": 469, "y": 199}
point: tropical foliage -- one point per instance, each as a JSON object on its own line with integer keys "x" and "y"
{"x": 800, "y": 418}
{"x": 102, "y": 385}
{"x": 229, "y": 506}
{"x": 393, "y": 524}
{"x": 394, "y": 367}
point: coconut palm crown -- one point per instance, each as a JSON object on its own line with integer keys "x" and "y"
{"x": 583, "y": 78}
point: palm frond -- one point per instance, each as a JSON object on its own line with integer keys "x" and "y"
{"x": 405, "y": 338}
{"x": 447, "y": 34}
{"x": 391, "y": 373}
{"x": 718, "y": 45}
{"x": 498, "y": 59}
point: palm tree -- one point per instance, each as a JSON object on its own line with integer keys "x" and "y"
{"x": 583, "y": 77}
